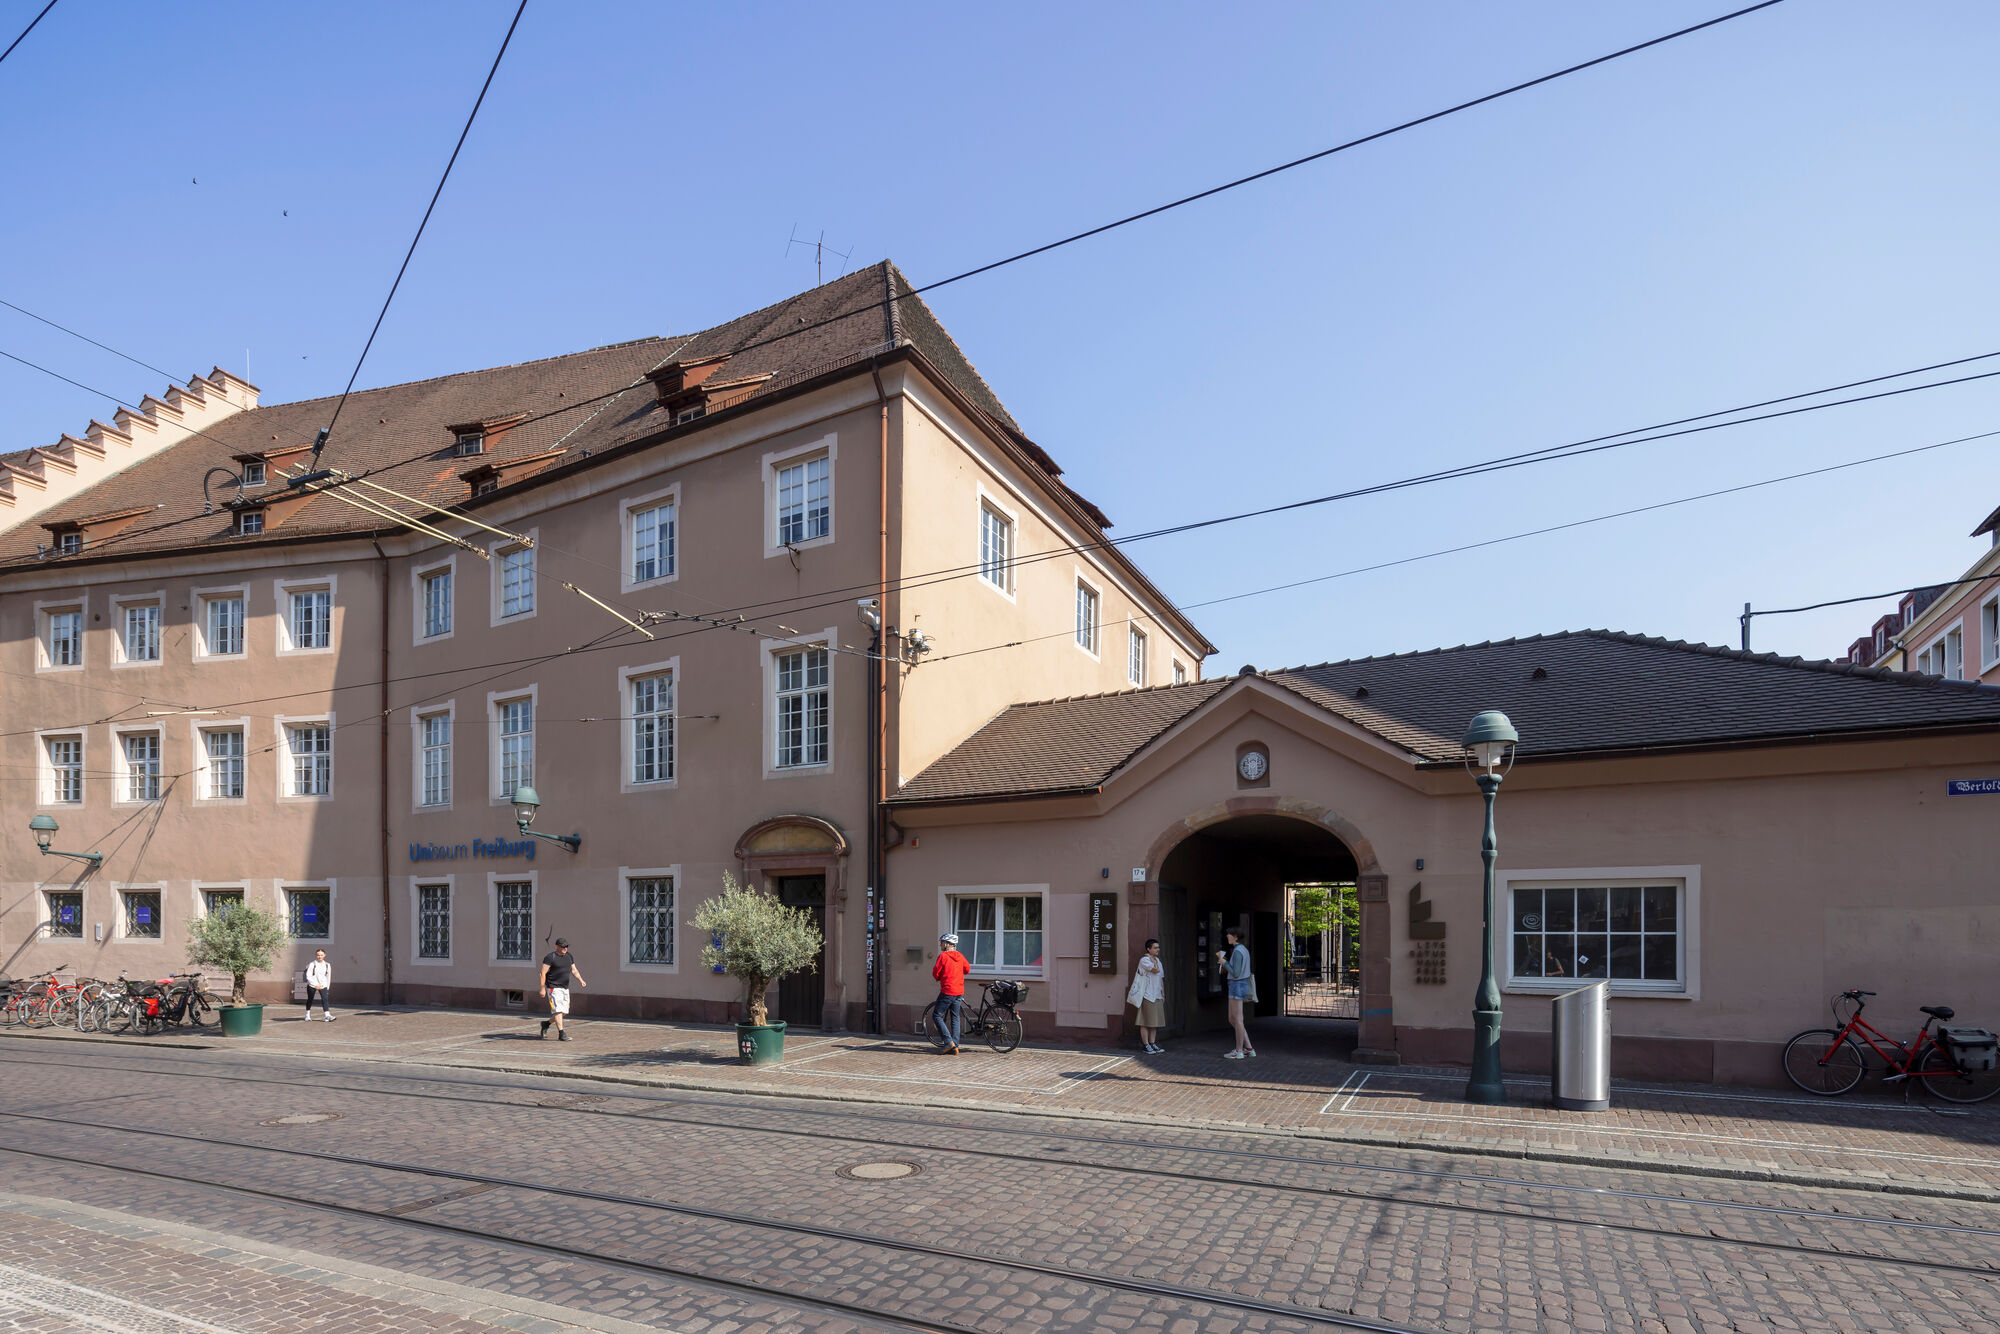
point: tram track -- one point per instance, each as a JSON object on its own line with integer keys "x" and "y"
{"x": 406, "y": 1216}
{"x": 1040, "y": 1157}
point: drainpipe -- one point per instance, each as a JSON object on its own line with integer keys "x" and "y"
{"x": 382, "y": 788}
{"x": 878, "y": 728}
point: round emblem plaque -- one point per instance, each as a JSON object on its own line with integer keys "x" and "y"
{"x": 1253, "y": 765}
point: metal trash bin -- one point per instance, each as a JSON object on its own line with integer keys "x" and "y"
{"x": 1580, "y": 1041}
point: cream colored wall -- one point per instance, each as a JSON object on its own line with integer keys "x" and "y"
{"x": 177, "y": 844}
{"x": 1820, "y": 868}
{"x": 947, "y": 475}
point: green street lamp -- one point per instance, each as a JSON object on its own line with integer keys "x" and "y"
{"x": 1489, "y": 753}
{"x": 45, "y": 827}
{"x": 526, "y": 803}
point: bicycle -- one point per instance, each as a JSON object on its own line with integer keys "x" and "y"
{"x": 140, "y": 1005}
{"x": 188, "y": 1001}
{"x": 995, "y": 1020}
{"x": 1830, "y": 1062}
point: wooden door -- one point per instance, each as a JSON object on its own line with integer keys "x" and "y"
{"x": 802, "y": 996}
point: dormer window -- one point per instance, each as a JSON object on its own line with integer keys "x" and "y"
{"x": 253, "y": 474}
{"x": 249, "y": 522}
{"x": 68, "y": 544}
{"x": 686, "y": 415}
{"x": 486, "y": 486}
{"x": 469, "y": 444}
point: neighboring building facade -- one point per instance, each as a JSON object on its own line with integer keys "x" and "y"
{"x": 1730, "y": 838}
{"x": 1950, "y": 630}
{"x": 322, "y": 702}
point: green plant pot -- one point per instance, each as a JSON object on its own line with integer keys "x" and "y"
{"x": 761, "y": 1044}
{"x": 242, "y": 1021}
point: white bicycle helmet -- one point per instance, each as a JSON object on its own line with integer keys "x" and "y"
{"x": 948, "y": 939}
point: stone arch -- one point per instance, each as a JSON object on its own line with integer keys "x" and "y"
{"x": 806, "y": 844}
{"x": 1295, "y": 808}
{"x": 791, "y": 835}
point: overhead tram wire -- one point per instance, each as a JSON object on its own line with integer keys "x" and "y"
{"x": 1876, "y": 597}
{"x": 411, "y": 252}
{"x": 30, "y": 28}
{"x": 600, "y": 643}
{"x": 42, "y": 319}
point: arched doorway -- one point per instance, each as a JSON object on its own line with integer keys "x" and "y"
{"x": 1244, "y": 864}
{"x": 803, "y": 860}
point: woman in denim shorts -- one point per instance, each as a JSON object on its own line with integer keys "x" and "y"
{"x": 1235, "y": 965}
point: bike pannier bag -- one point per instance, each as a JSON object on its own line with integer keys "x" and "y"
{"x": 1972, "y": 1048}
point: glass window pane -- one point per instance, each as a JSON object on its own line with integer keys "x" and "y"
{"x": 982, "y": 951}
{"x": 986, "y": 913}
{"x": 1015, "y": 912}
{"x": 1527, "y": 910}
{"x": 1591, "y": 952}
{"x": 1625, "y": 909}
{"x": 968, "y": 915}
{"x": 1625, "y": 956}
{"x": 1034, "y": 913}
{"x": 1527, "y": 955}
{"x": 1661, "y": 908}
{"x": 1559, "y": 908}
{"x": 1590, "y": 912}
{"x": 1034, "y": 948}
{"x": 1662, "y": 958}
{"x": 1011, "y": 952}
{"x": 1559, "y": 956}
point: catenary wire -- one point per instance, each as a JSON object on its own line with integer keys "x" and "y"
{"x": 1877, "y": 597}
{"x": 146, "y": 365}
{"x": 30, "y": 28}
{"x": 602, "y": 642}
{"x": 435, "y": 196}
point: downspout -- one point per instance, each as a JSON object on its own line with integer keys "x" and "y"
{"x": 878, "y": 727}
{"x": 382, "y": 789}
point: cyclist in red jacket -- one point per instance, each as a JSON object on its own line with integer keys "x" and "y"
{"x": 950, "y": 970}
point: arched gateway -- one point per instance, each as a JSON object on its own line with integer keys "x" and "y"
{"x": 803, "y": 860}
{"x": 1231, "y": 865}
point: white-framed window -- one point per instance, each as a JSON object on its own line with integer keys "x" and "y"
{"x": 217, "y": 900}
{"x": 62, "y": 770}
{"x": 649, "y": 897}
{"x": 305, "y": 621}
{"x": 1637, "y": 927}
{"x": 651, "y": 739}
{"x": 686, "y": 415}
{"x": 249, "y": 522}
{"x": 513, "y": 582}
{"x": 802, "y": 702}
{"x": 432, "y": 734}
{"x": 511, "y": 720}
{"x": 138, "y": 626}
{"x": 432, "y": 593}
{"x": 139, "y": 766}
{"x": 305, "y": 766}
{"x": 1989, "y": 634}
{"x": 253, "y": 474}
{"x": 1944, "y": 656}
{"x": 69, "y": 544}
{"x": 798, "y": 496}
{"x": 512, "y": 895}
{"x": 139, "y": 912}
{"x": 1088, "y": 601}
{"x": 221, "y": 760}
{"x": 219, "y": 622}
{"x": 308, "y": 911}
{"x": 1000, "y": 927}
{"x": 62, "y": 637}
{"x": 468, "y": 444}
{"x": 430, "y": 906}
{"x": 1180, "y": 673}
{"x": 650, "y": 538}
{"x": 1135, "y": 655}
{"x": 996, "y": 547}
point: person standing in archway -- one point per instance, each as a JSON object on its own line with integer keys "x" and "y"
{"x": 1234, "y": 964}
{"x": 1148, "y": 995}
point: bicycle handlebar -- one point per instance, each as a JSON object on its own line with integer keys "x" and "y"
{"x": 1856, "y": 995}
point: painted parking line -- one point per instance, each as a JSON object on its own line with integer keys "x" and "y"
{"x": 1337, "y": 1092}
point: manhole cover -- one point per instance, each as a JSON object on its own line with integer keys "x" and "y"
{"x": 883, "y": 1171}
{"x": 303, "y": 1119}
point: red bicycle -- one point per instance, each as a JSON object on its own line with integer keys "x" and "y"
{"x": 1959, "y": 1065}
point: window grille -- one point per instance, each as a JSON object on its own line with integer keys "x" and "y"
{"x": 517, "y": 919}
{"x": 311, "y": 913}
{"x": 433, "y": 921}
{"x": 652, "y": 928}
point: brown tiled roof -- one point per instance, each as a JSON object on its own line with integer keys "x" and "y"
{"x": 1570, "y": 694}
{"x": 403, "y": 429}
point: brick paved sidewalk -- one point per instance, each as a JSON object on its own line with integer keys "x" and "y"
{"x": 1869, "y": 1140}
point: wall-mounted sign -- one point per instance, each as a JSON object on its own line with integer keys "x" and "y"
{"x": 310, "y": 912}
{"x": 66, "y": 915}
{"x": 145, "y": 916}
{"x": 1103, "y": 933}
{"x": 1973, "y": 787}
{"x": 479, "y": 847}
{"x": 1421, "y": 925}
{"x": 1138, "y": 875}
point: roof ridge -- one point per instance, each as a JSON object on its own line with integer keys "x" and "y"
{"x": 1424, "y": 652}
{"x": 854, "y": 276}
{"x": 1826, "y": 665}
{"x": 480, "y": 370}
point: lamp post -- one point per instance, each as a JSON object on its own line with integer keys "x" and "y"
{"x": 1489, "y": 753}
{"x": 526, "y": 803}
{"x": 45, "y": 827}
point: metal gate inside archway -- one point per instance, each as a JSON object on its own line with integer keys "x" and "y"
{"x": 1322, "y": 951}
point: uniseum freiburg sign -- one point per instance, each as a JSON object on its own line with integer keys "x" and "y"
{"x": 479, "y": 847}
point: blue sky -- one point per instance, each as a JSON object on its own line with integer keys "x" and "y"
{"x": 1796, "y": 198}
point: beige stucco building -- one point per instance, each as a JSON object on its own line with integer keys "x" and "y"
{"x": 795, "y": 599}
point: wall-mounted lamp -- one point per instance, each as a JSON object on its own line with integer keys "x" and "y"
{"x": 45, "y": 827}
{"x": 526, "y": 803}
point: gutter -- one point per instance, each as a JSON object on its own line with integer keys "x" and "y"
{"x": 382, "y": 789}
{"x": 878, "y": 729}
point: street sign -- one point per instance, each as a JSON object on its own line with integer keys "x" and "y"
{"x": 1973, "y": 787}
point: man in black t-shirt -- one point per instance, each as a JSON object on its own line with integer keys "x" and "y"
{"x": 558, "y": 967}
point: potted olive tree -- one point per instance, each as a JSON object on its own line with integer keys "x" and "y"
{"x": 239, "y": 941}
{"x": 756, "y": 940}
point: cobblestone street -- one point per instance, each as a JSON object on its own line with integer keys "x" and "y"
{"x": 446, "y": 1170}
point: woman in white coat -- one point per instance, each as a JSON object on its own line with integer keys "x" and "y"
{"x": 1149, "y": 995}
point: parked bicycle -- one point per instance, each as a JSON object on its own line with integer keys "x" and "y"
{"x": 1956, "y": 1063}
{"x": 995, "y": 1020}
{"x": 188, "y": 1002}
{"x": 134, "y": 1006}
{"x": 33, "y": 1002}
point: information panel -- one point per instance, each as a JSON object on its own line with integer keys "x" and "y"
{"x": 1103, "y": 933}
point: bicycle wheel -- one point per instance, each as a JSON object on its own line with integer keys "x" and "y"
{"x": 935, "y": 1030}
{"x": 1820, "y": 1061}
{"x": 1003, "y": 1030}
{"x": 86, "y": 1015}
{"x": 37, "y": 1015}
{"x": 117, "y": 1016}
{"x": 1941, "y": 1075}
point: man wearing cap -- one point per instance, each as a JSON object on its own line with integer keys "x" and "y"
{"x": 558, "y": 966}
{"x": 950, "y": 970}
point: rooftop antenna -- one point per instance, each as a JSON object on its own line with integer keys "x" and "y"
{"x": 820, "y": 251}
